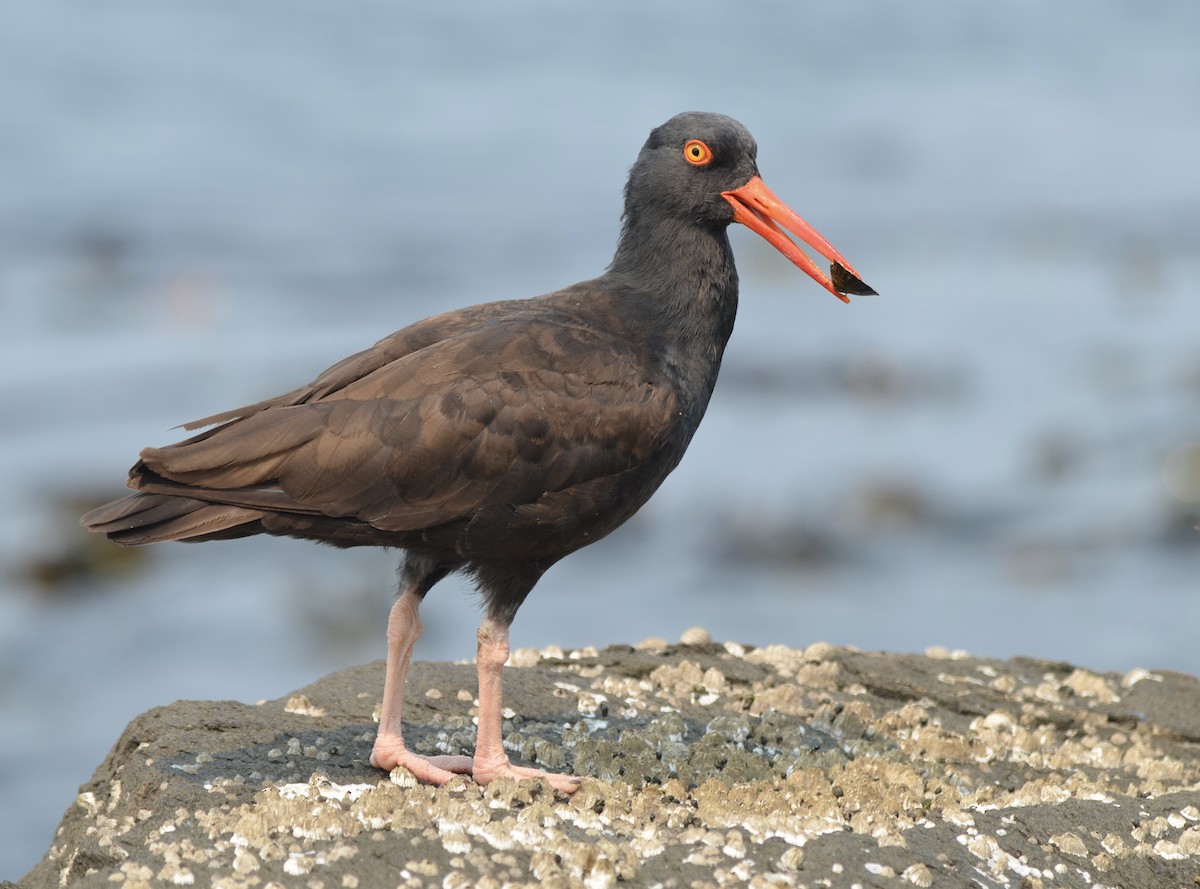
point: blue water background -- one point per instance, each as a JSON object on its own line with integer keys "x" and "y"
{"x": 205, "y": 204}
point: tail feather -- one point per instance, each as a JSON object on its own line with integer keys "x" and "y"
{"x": 151, "y": 518}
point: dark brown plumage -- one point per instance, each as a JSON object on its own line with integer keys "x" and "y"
{"x": 499, "y": 438}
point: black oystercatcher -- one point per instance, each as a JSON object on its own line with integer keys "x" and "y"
{"x": 499, "y": 438}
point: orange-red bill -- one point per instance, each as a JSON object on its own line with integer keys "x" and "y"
{"x": 756, "y": 207}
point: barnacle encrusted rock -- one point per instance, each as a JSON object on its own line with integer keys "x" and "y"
{"x": 705, "y": 765}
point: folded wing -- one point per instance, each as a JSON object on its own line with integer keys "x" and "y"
{"x": 432, "y": 425}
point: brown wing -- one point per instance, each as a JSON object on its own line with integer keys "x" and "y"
{"x": 499, "y": 413}
{"x": 392, "y": 347}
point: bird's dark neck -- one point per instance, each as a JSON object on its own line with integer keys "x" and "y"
{"x": 687, "y": 272}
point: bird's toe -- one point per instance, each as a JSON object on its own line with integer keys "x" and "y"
{"x": 562, "y": 783}
{"x": 438, "y": 770}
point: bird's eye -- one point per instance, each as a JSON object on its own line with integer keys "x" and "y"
{"x": 697, "y": 153}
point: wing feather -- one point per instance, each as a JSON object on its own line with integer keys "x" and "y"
{"x": 433, "y": 424}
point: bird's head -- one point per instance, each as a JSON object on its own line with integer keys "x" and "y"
{"x": 703, "y": 168}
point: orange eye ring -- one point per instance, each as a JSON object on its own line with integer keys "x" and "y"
{"x": 697, "y": 153}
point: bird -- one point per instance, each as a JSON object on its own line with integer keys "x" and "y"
{"x": 497, "y": 439}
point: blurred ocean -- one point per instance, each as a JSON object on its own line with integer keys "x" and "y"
{"x": 202, "y": 205}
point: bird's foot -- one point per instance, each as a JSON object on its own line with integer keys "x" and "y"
{"x": 441, "y": 770}
{"x": 430, "y": 769}
{"x": 562, "y": 783}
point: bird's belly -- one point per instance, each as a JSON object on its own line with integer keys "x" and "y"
{"x": 551, "y": 527}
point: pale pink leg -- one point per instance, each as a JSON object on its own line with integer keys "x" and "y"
{"x": 491, "y": 761}
{"x": 404, "y": 628}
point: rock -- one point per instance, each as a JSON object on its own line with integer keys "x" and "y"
{"x": 705, "y": 765}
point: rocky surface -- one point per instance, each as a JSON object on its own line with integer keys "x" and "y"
{"x": 705, "y": 765}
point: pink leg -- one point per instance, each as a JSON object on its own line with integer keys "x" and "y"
{"x": 491, "y": 761}
{"x": 404, "y": 628}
